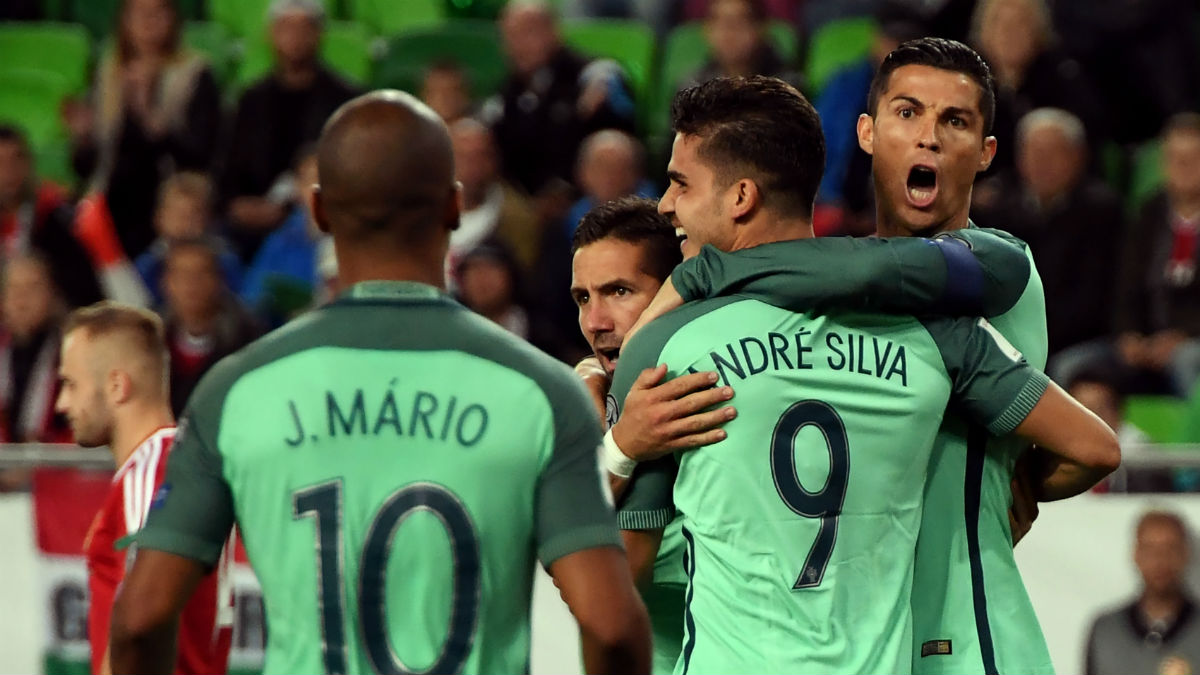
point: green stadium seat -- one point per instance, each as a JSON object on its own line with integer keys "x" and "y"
{"x": 212, "y": 40}
{"x": 836, "y": 45}
{"x": 1146, "y": 176}
{"x": 99, "y": 17}
{"x": 248, "y": 18}
{"x": 629, "y": 43}
{"x": 345, "y": 48}
{"x": 61, "y": 50}
{"x": 686, "y": 50}
{"x": 31, "y": 101}
{"x": 388, "y": 17}
{"x": 1161, "y": 417}
{"x": 1190, "y": 431}
{"x": 476, "y": 9}
{"x": 475, "y": 45}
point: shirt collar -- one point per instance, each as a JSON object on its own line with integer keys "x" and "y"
{"x": 392, "y": 290}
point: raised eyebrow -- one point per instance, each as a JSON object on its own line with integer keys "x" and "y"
{"x": 959, "y": 112}
{"x": 904, "y": 97}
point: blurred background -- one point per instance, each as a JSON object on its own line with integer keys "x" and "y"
{"x": 160, "y": 152}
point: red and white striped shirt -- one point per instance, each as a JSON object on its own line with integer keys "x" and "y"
{"x": 205, "y": 629}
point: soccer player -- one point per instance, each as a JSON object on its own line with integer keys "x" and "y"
{"x": 114, "y": 393}
{"x": 394, "y": 462}
{"x": 800, "y": 528}
{"x": 621, "y": 253}
{"x": 927, "y": 130}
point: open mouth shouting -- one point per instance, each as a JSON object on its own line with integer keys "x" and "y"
{"x": 681, "y": 235}
{"x": 608, "y": 357}
{"x": 922, "y": 186}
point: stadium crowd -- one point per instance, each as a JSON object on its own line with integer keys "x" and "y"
{"x": 183, "y": 182}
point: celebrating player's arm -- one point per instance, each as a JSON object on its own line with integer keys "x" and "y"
{"x": 969, "y": 272}
{"x": 1085, "y": 448}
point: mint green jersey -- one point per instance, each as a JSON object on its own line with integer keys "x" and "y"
{"x": 971, "y": 612}
{"x": 800, "y": 527}
{"x": 394, "y": 464}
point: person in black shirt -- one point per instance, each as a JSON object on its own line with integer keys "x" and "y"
{"x": 275, "y": 118}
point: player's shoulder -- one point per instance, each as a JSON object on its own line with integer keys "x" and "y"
{"x": 649, "y": 343}
{"x": 973, "y": 233}
{"x": 149, "y": 453}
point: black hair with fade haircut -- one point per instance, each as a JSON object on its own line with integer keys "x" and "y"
{"x": 760, "y": 128}
{"x": 942, "y": 54}
{"x": 636, "y": 221}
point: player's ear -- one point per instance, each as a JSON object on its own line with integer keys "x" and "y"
{"x": 318, "y": 209}
{"x": 119, "y": 386}
{"x": 743, "y": 198}
{"x": 866, "y": 133}
{"x": 988, "y": 153}
{"x": 454, "y": 207}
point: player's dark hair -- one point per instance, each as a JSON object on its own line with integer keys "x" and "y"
{"x": 636, "y": 221}
{"x": 942, "y": 54}
{"x": 760, "y": 128}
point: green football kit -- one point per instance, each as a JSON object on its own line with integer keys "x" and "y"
{"x": 971, "y": 612}
{"x": 394, "y": 463}
{"x": 800, "y": 527}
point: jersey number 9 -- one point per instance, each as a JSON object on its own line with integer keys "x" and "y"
{"x": 825, "y": 503}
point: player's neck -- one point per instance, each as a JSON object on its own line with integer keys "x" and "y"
{"x": 134, "y": 425}
{"x": 353, "y": 269}
{"x": 770, "y": 231}
{"x": 888, "y": 225}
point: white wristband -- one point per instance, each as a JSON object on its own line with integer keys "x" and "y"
{"x": 616, "y": 462}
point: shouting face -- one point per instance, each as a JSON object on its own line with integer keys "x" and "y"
{"x": 926, "y": 138}
{"x": 611, "y": 289}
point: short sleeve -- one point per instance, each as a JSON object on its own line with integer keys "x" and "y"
{"x": 992, "y": 383}
{"x": 192, "y": 511}
{"x": 574, "y": 505}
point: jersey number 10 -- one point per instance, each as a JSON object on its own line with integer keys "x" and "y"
{"x": 324, "y": 502}
{"x": 825, "y": 503}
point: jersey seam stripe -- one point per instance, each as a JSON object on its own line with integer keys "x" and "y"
{"x": 127, "y": 495}
{"x": 976, "y": 454}
{"x": 689, "y": 621}
{"x": 151, "y": 479}
{"x": 1022, "y": 405}
{"x": 646, "y": 520}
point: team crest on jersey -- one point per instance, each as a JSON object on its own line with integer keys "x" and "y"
{"x": 160, "y": 496}
{"x": 611, "y": 413}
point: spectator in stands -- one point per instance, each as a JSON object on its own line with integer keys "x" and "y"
{"x": 784, "y": 10}
{"x": 284, "y": 278}
{"x": 659, "y": 14}
{"x": 156, "y": 110}
{"x": 739, "y": 45}
{"x": 32, "y": 312}
{"x": 36, "y": 217}
{"x": 274, "y": 119}
{"x": 1160, "y": 631}
{"x": 1052, "y": 203}
{"x": 1154, "y": 72}
{"x": 1159, "y": 311}
{"x": 845, "y": 199}
{"x": 492, "y": 207}
{"x": 1018, "y": 40}
{"x": 184, "y": 212}
{"x": 611, "y": 166}
{"x": 552, "y": 99}
{"x": 489, "y": 283}
{"x": 1100, "y": 392}
{"x": 445, "y": 89}
{"x": 204, "y": 321}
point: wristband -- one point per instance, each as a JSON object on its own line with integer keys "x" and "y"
{"x": 616, "y": 462}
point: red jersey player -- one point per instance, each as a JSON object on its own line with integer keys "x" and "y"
{"x": 114, "y": 392}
